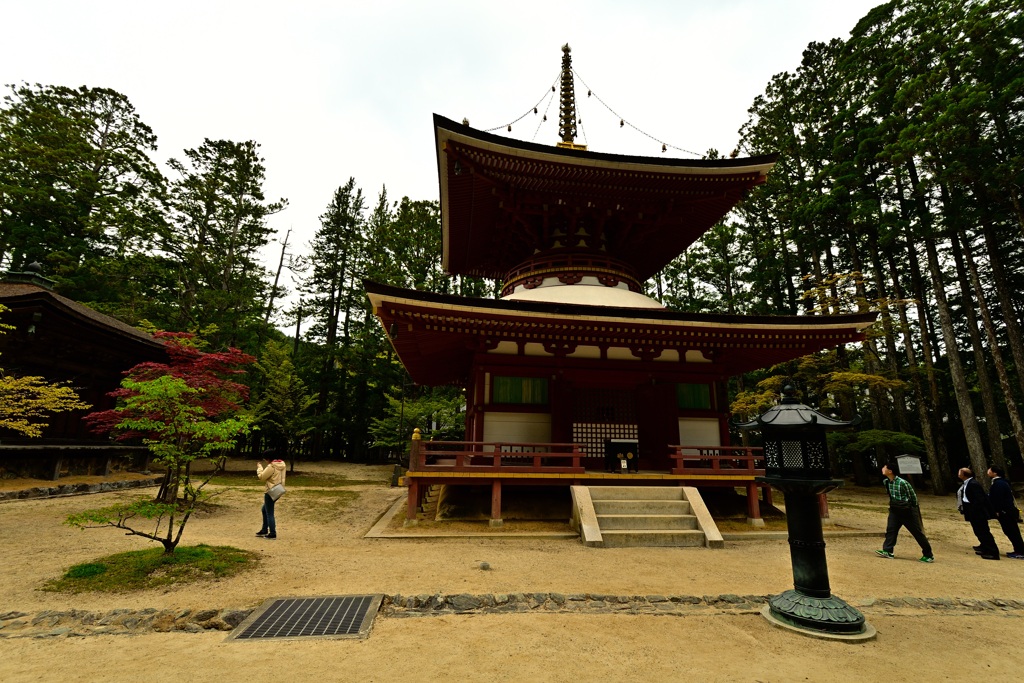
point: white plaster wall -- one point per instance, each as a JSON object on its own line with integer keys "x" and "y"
{"x": 699, "y": 431}
{"x": 517, "y": 427}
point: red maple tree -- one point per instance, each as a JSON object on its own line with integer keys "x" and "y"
{"x": 213, "y": 373}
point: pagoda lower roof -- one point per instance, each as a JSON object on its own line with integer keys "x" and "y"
{"x": 437, "y": 336}
{"x": 496, "y": 191}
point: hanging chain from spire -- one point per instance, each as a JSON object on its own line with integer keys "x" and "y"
{"x": 623, "y": 122}
{"x": 568, "y": 118}
{"x": 531, "y": 110}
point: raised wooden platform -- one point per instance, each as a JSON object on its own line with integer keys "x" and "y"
{"x": 465, "y": 463}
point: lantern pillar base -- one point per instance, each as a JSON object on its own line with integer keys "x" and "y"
{"x": 830, "y": 618}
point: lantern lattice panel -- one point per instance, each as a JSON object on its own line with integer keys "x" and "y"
{"x": 792, "y": 454}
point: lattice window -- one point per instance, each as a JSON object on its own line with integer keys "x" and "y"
{"x": 771, "y": 455}
{"x": 604, "y": 405}
{"x": 600, "y": 414}
{"x": 591, "y": 435}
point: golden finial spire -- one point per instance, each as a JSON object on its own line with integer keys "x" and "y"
{"x": 567, "y": 111}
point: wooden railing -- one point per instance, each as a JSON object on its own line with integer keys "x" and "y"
{"x": 479, "y": 456}
{"x": 717, "y": 460}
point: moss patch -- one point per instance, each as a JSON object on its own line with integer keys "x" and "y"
{"x": 151, "y": 568}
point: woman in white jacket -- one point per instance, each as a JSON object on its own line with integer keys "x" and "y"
{"x": 272, "y": 474}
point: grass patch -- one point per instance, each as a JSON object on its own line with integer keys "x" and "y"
{"x": 86, "y": 571}
{"x": 151, "y": 568}
{"x": 312, "y": 479}
{"x": 318, "y": 505}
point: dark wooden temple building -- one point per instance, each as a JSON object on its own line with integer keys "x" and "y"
{"x": 574, "y": 366}
{"x": 63, "y": 341}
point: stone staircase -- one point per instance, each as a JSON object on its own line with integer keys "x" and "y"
{"x": 632, "y": 516}
{"x": 428, "y": 506}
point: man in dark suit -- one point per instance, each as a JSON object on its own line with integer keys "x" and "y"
{"x": 1001, "y": 496}
{"x": 973, "y": 503}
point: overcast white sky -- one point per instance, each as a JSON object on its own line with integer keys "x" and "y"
{"x": 338, "y": 89}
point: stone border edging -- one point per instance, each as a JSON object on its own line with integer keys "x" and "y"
{"x": 80, "y": 623}
{"x": 78, "y": 489}
{"x": 497, "y": 603}
{"x": 50, "y": 623}
{"x": 594, "y": 603}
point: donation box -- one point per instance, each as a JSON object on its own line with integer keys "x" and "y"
{"x": 621, "y": 455}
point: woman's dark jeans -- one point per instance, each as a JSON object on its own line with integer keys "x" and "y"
{"x": 269, "y": 523}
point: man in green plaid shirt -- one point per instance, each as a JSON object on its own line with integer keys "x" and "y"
{"x": 903, "y": 512}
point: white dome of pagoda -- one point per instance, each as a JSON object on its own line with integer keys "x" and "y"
{"x": 587, "y": 292}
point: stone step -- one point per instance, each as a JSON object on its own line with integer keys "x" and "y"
{"x": 674, "y": 522}
{"x": 641, "y": 507}
{"x": 636, "y": 493}
{"x": 633, "y": 538}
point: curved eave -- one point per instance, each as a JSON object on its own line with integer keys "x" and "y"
{"x": 681, "y": 197}
{"x": 795, "y": 417}
{"x": 438, "y": 335}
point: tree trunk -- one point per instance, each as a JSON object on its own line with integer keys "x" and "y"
{"x": 168, "y": 492}
{"x": 1005, "y": 297}
{"x": 987, "y": 390}
{"x": 898, "y": 403}
{"x": 928, "y": 401}
{"x": 997, "y": 354}
{"x": 961, "y": 391}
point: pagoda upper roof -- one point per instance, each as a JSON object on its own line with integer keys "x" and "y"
{"x": 437, "y": 335}
{"x": 493, "y": 188}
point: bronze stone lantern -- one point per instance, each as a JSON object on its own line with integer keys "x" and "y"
{"x": 796, "y": 463}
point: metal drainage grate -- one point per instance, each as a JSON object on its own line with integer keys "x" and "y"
{"x": 339, "y": 616}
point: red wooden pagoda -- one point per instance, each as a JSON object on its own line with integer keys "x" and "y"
{"x": 574, "y": 361}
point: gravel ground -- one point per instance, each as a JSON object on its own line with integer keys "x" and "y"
{"x": 931, "y": 619}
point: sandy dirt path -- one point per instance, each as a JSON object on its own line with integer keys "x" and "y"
{"x": 327, "y": 554}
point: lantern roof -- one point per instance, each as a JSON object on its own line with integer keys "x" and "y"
{"x": 791, "y": 414}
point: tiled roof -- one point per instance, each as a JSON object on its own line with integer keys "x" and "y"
{"x": 11, "y": 293}
{"x": 498, "y": 194}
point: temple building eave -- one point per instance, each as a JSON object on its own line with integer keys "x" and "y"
{"x": 439, "y": 336}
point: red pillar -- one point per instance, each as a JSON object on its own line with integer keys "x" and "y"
{"x": 753, "y": 506}
{"x": 415, "y": 450}
{"x": 412, "y": 504}
{"x": 496, "y": 503}
{"x": 822, "y": 506}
